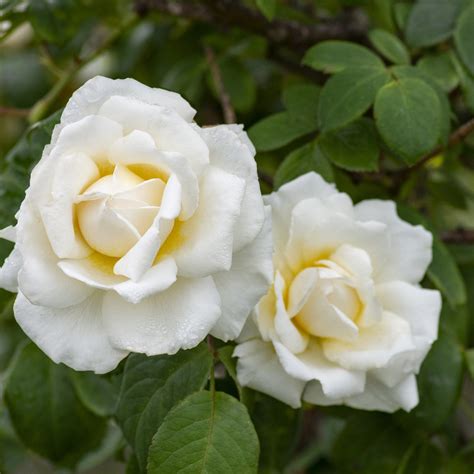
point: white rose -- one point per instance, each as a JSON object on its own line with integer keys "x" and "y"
{"x": 345, "y": 321}
{"x": 140, "y": 231}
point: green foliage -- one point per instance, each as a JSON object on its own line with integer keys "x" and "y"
{"x": 45, "y": 410}
{"x": 464, "y": 38}
{"x": 389, "y": 46}
{"x": 151, "y": 386}
{"x": 207, "y": 432}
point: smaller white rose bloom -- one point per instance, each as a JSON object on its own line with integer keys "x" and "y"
{"x": 140, "y": 231}
{"x": 345, "y": 321}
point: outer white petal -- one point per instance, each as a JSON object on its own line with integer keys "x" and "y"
{"x": 228, "y": 152}
{"x": 203, "y": 245}
{"x": 336, "y": 381}
{"x": 8, "y": 233}
{"x": 310, "y": 185}
{"x": 169, "y": 130}
{"x": 88, "y": 99}
{"x": 258, "y": 367}
{"x": 178, "y": 318}
{"x": 238, "y": 129}
{"x": 316, "y": 230}
{"x": 74, "y": 335}
{"x": 245, "y": 283}
{"x": 410, "y": 246}
{"x": 40, "y": 279}
{"x": 9, "y": 271}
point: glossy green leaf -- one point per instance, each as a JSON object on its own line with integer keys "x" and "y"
{"x": 388, "y": 45}
{"x": 207, "y": 432}
{"x": 151, "y": 386}
{"x": 46, "y": 412}
{"x": 441, "y": 70}
{"x": 278, "y": 130}
{"x": 464, "y": 37}
{"x": 267, "y": 7}
{"x": 303, "y": 160}
{"x": 431, "y": 21}
{"x": 408, "y": 117}
{"x": 348, "y": 95}
{"x": 334, "y": 56}
{"x": 353, "y": 147}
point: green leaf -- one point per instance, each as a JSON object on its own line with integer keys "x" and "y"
{"x": 95, "y": 392}
{"x": 443, "y": 271}
{"x": 431, "y": 21}
{"x": 334, "y": 56}
{"x": 205, "y": 433}
{"x": 353, "y": 147}
{"x": 389, "y": 46}
{"x": 151, "y": 386}
{"x": 348, "y": 94}
{"x": 278, "y": 130}
{"x": 45, "y": 411}
{"x": 401, "y": 12}
{"x": 268, "y": 8}
{"x": 439, "y": 385}
{"x": 469, "y": 356}
{"x": 464, "y": 37}
{"x": 408, "y": 117}
{"x": 439, "y": 67}
{"x": 301, "y": 101}
{"x": 17, "y": 166}
{"x": 277, "y": 426}
{"x": 303, "y": 160}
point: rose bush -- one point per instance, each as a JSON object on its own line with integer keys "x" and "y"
{"x": 140, "y": 231}
{"x": 345, "y": 321}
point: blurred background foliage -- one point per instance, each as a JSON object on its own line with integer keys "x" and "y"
{"x": 375, "y": 95}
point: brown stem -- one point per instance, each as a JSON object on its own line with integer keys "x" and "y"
{"x": 224, "y": 99}
{"x": 232, "y": 13}
{"x": 14, "y": 112}
{"x": 458, "y": 236}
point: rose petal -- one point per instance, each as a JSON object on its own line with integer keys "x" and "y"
{"x": 9, "y": 271}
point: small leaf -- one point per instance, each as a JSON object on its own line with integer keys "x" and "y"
{"x": 278, "y": 130}
{"x": 464, "y": 37}
{"x": 151, "y": 386}
{"x": 334, "y": 56}
{"x": 45, "y": 411}
{"x": 389, "y": 46}
{"x": 301, "y": 101}
{"x": 303, "y": 160}
{"x": 268, "y": 8}
{"x": 205, "y": 433}
{"x": 440, "y": 69}
{"x": 353, "y": 147}
{"x": 408, "y": 117}
{"x": 431, "y": 21}
{"x": 348, "y": 94}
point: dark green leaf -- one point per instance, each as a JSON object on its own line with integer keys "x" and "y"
{"x": 205, "y": 433}
{"x": 440, "y": 68}
{"x": 301, "y": 101}
{"x": 432, "y": 21}
{"x": 348, "y": 94}
{"x": 334, "y": 56}
{"x": 15, "y": 173}
{"x": 277, "y": 426}
{"x": 95, "y": 392}
{"x": 469, "y": 356}
{"x": 353, "y": 147}
{"x": 464, "y": 37}
{"x": 303, "y": 160}
{"x": 151, "y": 386}
{"x": 267, "y": 7}
{"x": 225, "y": 356}
{"x": 408, "y": 117}
{"x": 278, "y": 130}
{"x": 45, "y": 411}
{"x": 389, "y": 46}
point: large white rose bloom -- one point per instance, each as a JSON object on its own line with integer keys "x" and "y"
{"x": 140, "y": 231}
{"x": 345, "y": 321}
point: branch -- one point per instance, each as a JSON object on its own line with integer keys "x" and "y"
{"x": 458, "y": 236}
{"x": 351, "y": 25}
{"x": 224, "y": 99}
{"x": 14, "y": 112}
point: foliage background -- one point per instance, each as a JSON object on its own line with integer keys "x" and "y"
{"x": 386, "y": 112}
